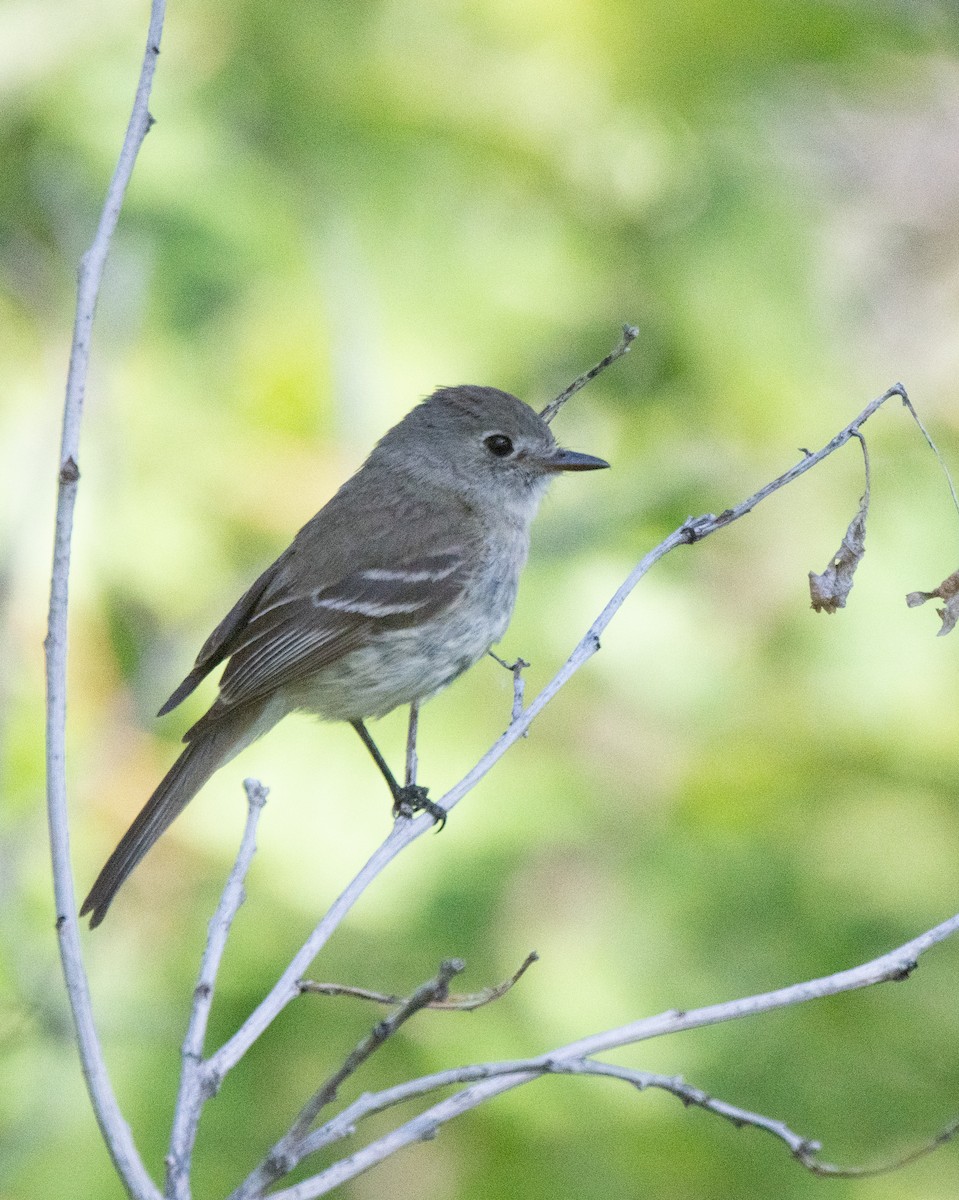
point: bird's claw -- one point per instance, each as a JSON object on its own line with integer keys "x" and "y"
{"x": 412, "y": 799}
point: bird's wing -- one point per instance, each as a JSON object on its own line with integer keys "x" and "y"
{"x": 295, "y": 633}
{"x": 352, "y": 570}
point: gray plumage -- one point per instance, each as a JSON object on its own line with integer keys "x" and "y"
{"x": 399, "y": 584}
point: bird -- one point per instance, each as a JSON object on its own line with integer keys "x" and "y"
{"x": 399, "y": 584}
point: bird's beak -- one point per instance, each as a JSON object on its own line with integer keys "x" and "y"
{"x": 572, "y": 460}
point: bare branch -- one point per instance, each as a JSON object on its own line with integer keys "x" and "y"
{"x": 195, "y": 1086}
{"x": 462, "y": 1003}
{"x": 519, "y": 683}
{"x": 934, "y": 448}
{"x": 495, "y": 1078}
{"x": 689, "y": 1095}
{"x": 803, "y": 1149}
{"x": 115, "y": 1131}
{"x": 630, "y": 333}
{"x": 287, "y": 986}
{"x": 288, "y": 1151}
{"x": 885, "y": 1168}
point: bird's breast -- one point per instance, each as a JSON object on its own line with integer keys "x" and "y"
{"x": 410, "y": 663}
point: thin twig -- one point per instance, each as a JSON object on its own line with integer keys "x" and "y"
{"x": 195, "y": 1087}
{"x": 630, "y": 333}
{"x": 804, "y": 1150}
{"x": 516, "y": 669}
{"x": 466, "y": 1002}
{"x": 495, "y": 1078}
{"x": 113, "y": 1127}
{"x": 865, "y": 463}
{"x": 934, "y": 448}
{"x": 689, "y": 1095}
{"x": 404, "y": 832}
{"x": 288, "y": 1152}
{"x": 944, "y": 1135}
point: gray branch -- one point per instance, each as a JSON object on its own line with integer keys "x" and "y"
{"x": 490, "y": 1079}
{"x": 114, "y": 1128}
{"x": 630, "y": 333}
{"x": 460, "y": 1003}
{"x": 196, "y": 1087}
{"x": 289, "y": 1151}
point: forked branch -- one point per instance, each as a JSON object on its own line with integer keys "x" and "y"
{"x": 486, "y": 1080}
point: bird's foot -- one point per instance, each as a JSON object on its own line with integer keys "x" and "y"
{"x": 410, "y": 800}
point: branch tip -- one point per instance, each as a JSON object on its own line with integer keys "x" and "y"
{"x": 629, "y": 334}
{"x": 256, "y": 792}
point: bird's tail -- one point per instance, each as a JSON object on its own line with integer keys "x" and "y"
{"x": 214, "y": 740}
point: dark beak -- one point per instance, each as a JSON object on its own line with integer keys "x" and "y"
{"x": 572, "y": 460}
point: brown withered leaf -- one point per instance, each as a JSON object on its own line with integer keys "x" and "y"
{"x": 830, "y": 590}
{"x": 948, "y": 590}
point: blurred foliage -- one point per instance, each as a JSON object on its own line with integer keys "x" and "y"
{"x": 342, "y": 206}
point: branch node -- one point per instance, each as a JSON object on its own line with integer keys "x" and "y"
{"x": 69, "y": 471}
{"x": 279, "y": 1163}
{"x": 904, "y": 971}
{"x": 690, "y": 530}
{"x": 211, "y": 1081}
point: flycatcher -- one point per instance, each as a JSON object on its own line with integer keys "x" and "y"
{"x": 400, "y": 583}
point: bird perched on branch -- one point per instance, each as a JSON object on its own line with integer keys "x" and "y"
{"x": 400, "y": 583}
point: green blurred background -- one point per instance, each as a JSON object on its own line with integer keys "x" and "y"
{"x": 341, "y": 207}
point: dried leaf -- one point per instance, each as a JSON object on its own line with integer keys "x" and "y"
{"x": 830, "y": 590}
{"x": 948, "y": 590}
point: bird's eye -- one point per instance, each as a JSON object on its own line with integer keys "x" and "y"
{"x": 498, "y": 444}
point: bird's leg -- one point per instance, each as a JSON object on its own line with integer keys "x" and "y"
{"x": 406, "y": 800}
{"x": 411, "y": 735}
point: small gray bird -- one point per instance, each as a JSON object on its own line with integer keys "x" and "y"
{"x": 400, "y": 583}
